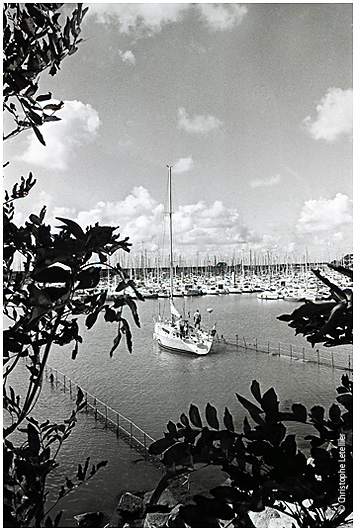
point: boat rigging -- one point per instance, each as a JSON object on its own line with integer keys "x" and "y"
{"x": 175, "y": 333}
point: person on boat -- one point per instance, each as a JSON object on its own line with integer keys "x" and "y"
{"x": 197, "y": 319}
{"x": 181, "y": 326}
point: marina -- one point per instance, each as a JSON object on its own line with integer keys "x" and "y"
{"x": 291, "y": 282}
{"x": 151, "y": 385}
{"x": 178, "y": 286}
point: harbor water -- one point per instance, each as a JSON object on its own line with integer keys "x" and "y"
{"x": 151, "y": 386}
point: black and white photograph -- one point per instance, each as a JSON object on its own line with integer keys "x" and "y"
{"x": 178, "y": 265}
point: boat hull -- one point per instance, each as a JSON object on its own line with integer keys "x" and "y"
{"x": 169, "y": 338}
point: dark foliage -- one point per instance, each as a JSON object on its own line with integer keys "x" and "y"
{"x": 327, "y": 322}
{"x": 264, "y": 464}
{"x": 26, "y": 468}
{"x": 42, "y": 304}
{"x": 33, "y": 41}
{"x": 61, "y": 272}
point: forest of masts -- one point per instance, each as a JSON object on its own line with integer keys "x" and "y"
{"x": 144, "y": 264}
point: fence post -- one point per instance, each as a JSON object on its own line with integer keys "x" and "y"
{"x": 106, "y": 416}
{"x": 267, "y": 347}
{"x": 130, "y": 434}
{"x": 244, "y": 341}
{"x": 95, "y": 409}
{"x": 117, "y": 424}
{"x": 144, "y": 442}
{"x": 237, "y": 340}
{"x": 56, "y": 377}
{"x": 291, "y": 351}
{"x": 279, "y": 348}
{"x": 86, "y": 401}
{"x": 318, "y": 354}
{"x": 303, "y": 353}
{"x": 70, "y": 388}
{"x": 256, "y": 344}
{"x": 349, "y": 361}
{"x": 64, "y": 383}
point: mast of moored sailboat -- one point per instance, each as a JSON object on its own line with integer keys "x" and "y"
{"x": 170, "y": 228}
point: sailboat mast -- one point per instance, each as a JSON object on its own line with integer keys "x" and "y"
{"x": 170, "y": 229}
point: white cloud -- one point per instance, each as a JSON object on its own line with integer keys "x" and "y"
{"x": 222, "y": 16}
{"x": 334, "y": 116}
{"x": 204, "y": 227}
{"x": 139, "y": 216}
{"x": 128, "y": 57}
{"x": 34, "y": 206}
{"x": 137, "y": 19}
{"x": 198, "y": 124}
{"x": 209, "y": 228}
{"x": 79, "y": 124}
{"x": 319, "y": 215}
{"x": 147, "y": 19}
{"x": 269, "y": 181}
{"x": 183, "y": 164}
{"x": 197, "y": 227}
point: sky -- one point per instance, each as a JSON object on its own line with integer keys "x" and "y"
{"x": 250, "y": 103}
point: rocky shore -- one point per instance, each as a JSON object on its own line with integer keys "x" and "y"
{"x": 131, "y": 512}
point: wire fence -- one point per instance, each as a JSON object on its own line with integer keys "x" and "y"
{"x": 124, "y": 428}
{"x": 340, "y": 360}
{"x": 138, "y": 439}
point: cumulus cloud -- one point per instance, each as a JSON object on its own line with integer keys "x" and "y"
{"x": 79, "y": 125}
{"x": 197, "y": 227}
{"x": 222, "y": 16}
{"x": 137, "y": 19}
{"x": 140, "y": 20}
{"x": 211, "y": 227}
{"x": 183, "y": 164}
{"x": 138, "y": 216}
{"x": 320, "y": 215}
{"x": 34, "y": 205}
{"x": 198, "y": 124}
{"x": 269, "y": 181}
{"x": 334, "y": 116}
{"x": 128, "y": 57}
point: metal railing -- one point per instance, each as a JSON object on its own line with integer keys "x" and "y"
{"x": 329, "y": 358}
{"x": 124, "y": 428}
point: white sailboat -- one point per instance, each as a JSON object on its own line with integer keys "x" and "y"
{"x": 175, "y": 334}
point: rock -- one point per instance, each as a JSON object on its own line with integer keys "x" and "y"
{"x": 90, "y": 519}
{"x": 166, "y": 498}
{"x": 161, "y": 519}
{"x": 155, "y": 520}
{"x": 129, "y": 509}
{"x": 130, "y": 506}
{"x": 349, "y": 522}
{"x": 116, "y": 520}
{"x": 271, "y": 518}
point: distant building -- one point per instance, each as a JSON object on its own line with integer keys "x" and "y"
{"x": 221, "y": 268}
{"x": 346, "y": 261}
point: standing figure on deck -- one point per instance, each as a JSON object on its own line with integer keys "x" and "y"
{"x": 197, "y": 319}
{"x": 181, "y": 327}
